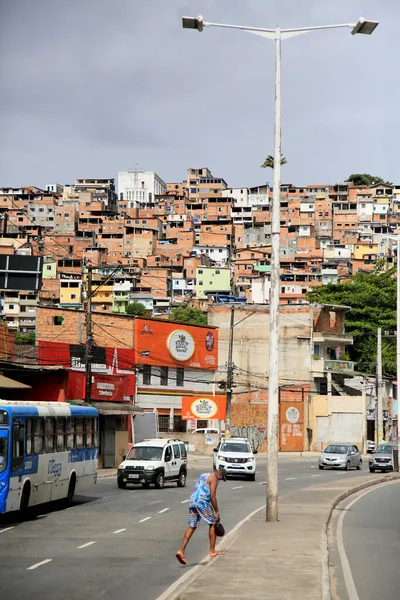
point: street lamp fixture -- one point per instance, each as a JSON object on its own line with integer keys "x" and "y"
{"x": 193, "y": 23}
{"x": 277, "y": 35}
{"x": 364, "y": 26}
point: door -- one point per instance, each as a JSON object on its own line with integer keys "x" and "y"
{"x": 168, "y": 457}
{"x": 354, "y": 457}
{"x": 322, "y": 434}
{"x": 109, "y": 449}
{"x": 176, "y": 460}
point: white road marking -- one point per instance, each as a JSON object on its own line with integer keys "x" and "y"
{"x": 119, "y": 530}
{"x": 39, "y": 564}
{"x": 314, "y": 467}
{"x": 145, "y": 519}
{"x": 184, "y": 501}
{"x": 41, "y": 516}
{"x": 315, "y": 475}
{"x": 348, "y": 577}
{"x": 290, "y": 478}
{"x": 238, "y": 487}
{"x": 86, "y": 545}
{"x": 6, "y": 529}
{"x": 163, "y": 511}
{"x": 263, "y": 483}
{"x": 71, "y": 507}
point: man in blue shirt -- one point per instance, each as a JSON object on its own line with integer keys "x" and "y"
{"x": 203, "y": 505}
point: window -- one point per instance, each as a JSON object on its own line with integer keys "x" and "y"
{"x": 58, "y": 320}
{"x": 177, "y": 453}
{"x": 180, "y": 373}
{"x": 163, "y": 423}
{"x": 183, "y": 450}
{"x": 11, "y": 306}
{"x": 200, "y": 271}
{"x": 60, "y": 434}
{"x": 79, "y": 432}
{"x": 29, "y": 436}
{"x": 38, "y": 431}
{"x": 168, "y": 454}
{"x": 89, "y": 433}
{"x": 49, "y": 433}
{"x": 70, "y": 433}
{"x": 146, "y": 374}
{"x": 217, "y": 271}
{"x": 164, "y": 375}
{"x": 73, "y": 296}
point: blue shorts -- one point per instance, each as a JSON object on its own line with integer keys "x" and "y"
{"x": 197, "y": 512}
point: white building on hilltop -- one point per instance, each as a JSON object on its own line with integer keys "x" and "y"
{"x": 139, "y": 188}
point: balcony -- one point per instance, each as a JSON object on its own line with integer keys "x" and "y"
{"x": 324, "y": 365}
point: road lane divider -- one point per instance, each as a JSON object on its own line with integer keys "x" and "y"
{"x": 86, "y": 545}
{"x": 119, "y": 530}
{"x": 238, "y": 487}
{"x": 145, "y": 519}
{"x": 184, "y": 501}
{"x": 315, "y": 475}
{"x": 290, "y": 478}
{"x": 39, "y": 564}
{"x": 160, "y": 512}
{"x": 6, "y": 529}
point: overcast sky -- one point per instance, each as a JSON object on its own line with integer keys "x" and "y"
{"x": 91, "y": 87}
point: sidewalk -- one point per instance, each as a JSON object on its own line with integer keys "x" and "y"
{"x": 287, "y": 560}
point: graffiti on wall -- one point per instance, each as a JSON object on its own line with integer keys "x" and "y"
{"x": 256, "y": 434}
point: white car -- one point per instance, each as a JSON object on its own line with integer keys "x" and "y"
{"x": 236, "y": 457}
{"x": 154, "y": 461}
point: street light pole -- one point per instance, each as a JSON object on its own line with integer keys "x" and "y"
{"x": 229, "y": 376}
{"x": 273, "y": 376}
{"x": 364, "y": 27}
{"x": 398, "y": 349}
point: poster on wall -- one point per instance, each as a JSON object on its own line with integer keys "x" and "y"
{"x": 175, "y": 345}
{"x": 202, "y": 407}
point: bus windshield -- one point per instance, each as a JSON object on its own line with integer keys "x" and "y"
{"x": 3, "y": 453}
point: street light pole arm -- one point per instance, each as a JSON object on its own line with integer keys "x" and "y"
{"x": 242, "y": 27}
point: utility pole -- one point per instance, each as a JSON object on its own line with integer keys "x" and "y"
{"x": 379, "y": 391}
{"x": 229, "y": 375}
{"x": 89, "y": 337}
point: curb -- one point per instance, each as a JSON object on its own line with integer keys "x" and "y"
{"x": 326, "y": 581}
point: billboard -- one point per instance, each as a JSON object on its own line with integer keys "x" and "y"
{"x": 72, "y": 356}
{"x": 163, "y": 343}
{"x": 108, "y": 388}
{"x": 203, "y": 407}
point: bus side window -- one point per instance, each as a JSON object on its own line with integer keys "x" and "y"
{"x": 79, "y": 433}
{"x": 60, "y": 434}
{"x": 29, "y": 436}
{"x": 70, "y": 433}
{"x": 38, "y": 431}
{"x": 95, "y": 432}
{"x": 49, "y": 424}
{"x": 89, "y": 433}
{"x": 18, "y": 444}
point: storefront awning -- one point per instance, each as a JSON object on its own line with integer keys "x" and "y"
{"x": 6, "y": 382}
{"x": 117, "y": 408}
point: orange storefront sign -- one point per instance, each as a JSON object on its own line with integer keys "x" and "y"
{"x": 291, "y": 426}
{"x": 203, "y": 407}
{"x": 162, "y": 343}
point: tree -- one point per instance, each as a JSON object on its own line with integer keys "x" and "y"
{"x": 269, "y": 162}
{"x": 188, "y": 314}
{"x": 25, "y": 339}
{"x": 372, "y": 299}
{"x": 366, "y": 179}
{"x": 137, "y": 309}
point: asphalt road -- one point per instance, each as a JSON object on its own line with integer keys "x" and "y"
{"x": 371, "y": 543}
{"x": 116, "y": 542}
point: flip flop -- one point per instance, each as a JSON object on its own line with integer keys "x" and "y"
{"x": 221, "y": 553}
{"x": 181, "y": 558}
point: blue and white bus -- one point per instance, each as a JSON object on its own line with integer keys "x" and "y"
{"x": 48, "y": 451}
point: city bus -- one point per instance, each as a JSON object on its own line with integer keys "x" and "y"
{"x": 48, "y": 451}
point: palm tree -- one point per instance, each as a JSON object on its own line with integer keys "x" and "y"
{"x": 269, "y": 162}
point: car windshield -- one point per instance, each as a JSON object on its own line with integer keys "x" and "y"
{"x": 235, "y": 447}
{"x": 336, "y": 449}
{"x": 385, "y": 449}
{"x": 145, "y": 453}
{"x": 3, "y": 454}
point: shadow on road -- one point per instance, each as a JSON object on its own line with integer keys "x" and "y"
{"x": 42, "y": 510}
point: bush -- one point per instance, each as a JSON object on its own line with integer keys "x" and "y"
{"x": 25, "y": 339}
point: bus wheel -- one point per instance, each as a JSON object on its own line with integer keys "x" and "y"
{"x": 71, "y": 489}
{"x": 26, "y": 493}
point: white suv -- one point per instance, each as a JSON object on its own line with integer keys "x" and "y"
{"x": 154, "y": 461}
{"x": 236, "y": 457}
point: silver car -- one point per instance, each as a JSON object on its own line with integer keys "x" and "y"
{"x": 383, "y": 459}
{"x": 340, "y": 456}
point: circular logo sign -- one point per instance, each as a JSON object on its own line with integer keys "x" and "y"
{"x": 292, "y": 414}
{"x": 204, "y": 408}
{"x": 181, "y": 345}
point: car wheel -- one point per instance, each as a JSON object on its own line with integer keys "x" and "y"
{"x": 160, "y": 481}
{"x": 320, "y": 467}
{"x": 182, "y": 479}
{"x": 121, "y": 484}
{"x": 251, "y": 477}
{"x": 347, "y": 467}
{"x": 146, "y": 485}
{"x": 371, "y": 470}
{"x": 359, "y": 465}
